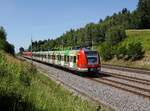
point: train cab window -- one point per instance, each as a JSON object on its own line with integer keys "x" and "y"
{"x": 74, "y": 59}
{"x": 92, "y": 57}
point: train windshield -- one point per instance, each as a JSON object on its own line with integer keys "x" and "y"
{"x": 92, "y": 57}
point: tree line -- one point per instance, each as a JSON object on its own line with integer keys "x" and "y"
{"x": 106, "y": 33}
{"x": 96, "y": 33}
{"x": 4, "y": 44}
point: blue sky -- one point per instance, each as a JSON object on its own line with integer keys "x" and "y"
{"x": 43, "y": 19}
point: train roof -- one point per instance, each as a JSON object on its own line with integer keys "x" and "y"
{"x": 65, "y": 52}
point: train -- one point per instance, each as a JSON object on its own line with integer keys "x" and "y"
{"x": 82, "y": 60}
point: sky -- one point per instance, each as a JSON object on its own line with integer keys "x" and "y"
{"x": 47, "y": 19}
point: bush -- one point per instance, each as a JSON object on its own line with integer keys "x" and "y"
{"x": 121, "y": 52}
{"x": 115, "y": 35}
{"x": 135, "y": 51}
{"x": 106, "y": 52}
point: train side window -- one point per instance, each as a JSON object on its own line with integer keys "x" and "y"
{"x": 62, "y": 58}
{"x": 71, "y": 59}
{"x": 53, "y": 57}
{"x": 49, "y": 57}
{"x": 74, "y": 59}
{"x": 67, "y": 58}
{"x": 59, "y": 57}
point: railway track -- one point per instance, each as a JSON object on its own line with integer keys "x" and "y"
{"x": 128, "y": 78}
{"x": 127, "y": 69}
{"x": 103, "y": 78}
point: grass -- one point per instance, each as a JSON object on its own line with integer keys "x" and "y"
{"x": 22, "y": 88}
{"x": 142, "y": 36}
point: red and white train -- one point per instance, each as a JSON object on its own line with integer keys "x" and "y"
{"x": 83, "y": 60}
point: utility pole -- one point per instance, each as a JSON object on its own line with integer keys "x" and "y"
{"x": 31, "y": 44}
{"x": 31, "y": 52}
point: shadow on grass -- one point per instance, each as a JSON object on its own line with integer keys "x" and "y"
{"x": 14, "y": 102}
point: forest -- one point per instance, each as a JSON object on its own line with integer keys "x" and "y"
{"x": 111, "y": 29}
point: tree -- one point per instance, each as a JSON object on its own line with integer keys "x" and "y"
{"x": 106, "y": 52}
{"x": 21, "y": 50}
{"x": 144, "y": 13}
{"x": 124, "y": 10}
{"x": 10, "y": 48}
{"x": 4, "y": 45}
{"x": 115, "y": 35}
{"x": 2, "y": 34}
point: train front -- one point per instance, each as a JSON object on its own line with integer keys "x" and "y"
{"x": 88, "y": 61}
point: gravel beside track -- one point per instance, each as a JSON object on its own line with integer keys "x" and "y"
{"x": 115, "y": 98}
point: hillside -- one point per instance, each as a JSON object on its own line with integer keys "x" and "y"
{"x": 142, "y": 36}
